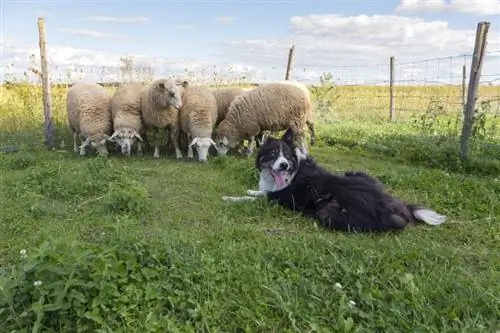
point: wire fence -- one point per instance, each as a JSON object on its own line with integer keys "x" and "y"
{"x": 394, "y": 90}
{"x": 437, "y": 83}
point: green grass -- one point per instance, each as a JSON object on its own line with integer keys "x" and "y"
{"x": 138, "y": 245}
{"x": 142, "y": 245}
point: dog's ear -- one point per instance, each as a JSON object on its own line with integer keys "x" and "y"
{"x": 288, "y": 136}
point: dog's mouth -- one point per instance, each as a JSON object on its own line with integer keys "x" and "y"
{"x": 280, "y": 177}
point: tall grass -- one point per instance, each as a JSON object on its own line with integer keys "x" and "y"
{"x": 426, "y": 130}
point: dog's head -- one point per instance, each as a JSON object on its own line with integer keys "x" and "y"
{"x": 280, "y": 158}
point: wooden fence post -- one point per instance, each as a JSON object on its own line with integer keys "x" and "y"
{"x": 392, "y": 107}
{"x": 49, "y": 129}
{"x": 289, "y": 65}
{"x": 474, "y": 78}
{"x": 464, "y": 86}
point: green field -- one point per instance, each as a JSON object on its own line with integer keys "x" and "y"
{"x": 143, "y": 245}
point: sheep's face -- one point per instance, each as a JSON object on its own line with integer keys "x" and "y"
{"x": 169, "y": 92}
{"x": 228, "y": 138}
{"x": 202, "y": 146}
{"x": 97, "y": 142}
{"x": 125, "y": 138}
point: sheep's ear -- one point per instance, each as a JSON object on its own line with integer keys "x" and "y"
{"x": 161, "y": 85}
{"x": 288, "y": 136}
{"x": 115, "y": 134}
{"x": 138, "y": 136}
{"x": 85, "y": 143}
{"x": 195, "y": 140}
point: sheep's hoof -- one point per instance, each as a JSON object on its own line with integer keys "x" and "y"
{"x": 156, "y": 153}
{"x": 178, "y": 154}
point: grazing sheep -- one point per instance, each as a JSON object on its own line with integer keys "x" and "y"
{"x": 197, "y": 119}
{"x": 271, "y": 107}
{"x": 224, "y": 97}
{"x": 88, "y": 106}
{"x": 127, "y": 118}
{"x": 160, "y": 105}
{"x": 262, "y": 136}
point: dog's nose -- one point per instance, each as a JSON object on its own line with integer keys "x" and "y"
{"x": 283, "y": 165}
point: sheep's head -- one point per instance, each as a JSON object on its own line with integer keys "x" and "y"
{"x": 125, "y": 137}
{"x": 98, "y": 142}
{"x": 202, "y": 146}
{"x": 169, "y": 92}
{"x": 228, "y": 137}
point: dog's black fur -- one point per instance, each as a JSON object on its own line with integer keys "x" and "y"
{"x": 354, "y": 201}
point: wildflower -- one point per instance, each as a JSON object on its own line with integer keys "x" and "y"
{"x": 351, "y": 303}
{"x": 37, "y": 283}
{"x": 338, "y": 285}
{"x": 24, "y": 254}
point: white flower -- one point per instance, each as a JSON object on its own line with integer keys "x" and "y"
{"x": 351, "y": 303}
{"x": 24, "y": 254}
{"x": 338, "y": 285}
{"x": 37, "y": 283}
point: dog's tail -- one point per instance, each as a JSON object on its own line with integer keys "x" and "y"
{"x": 426, "y": 215}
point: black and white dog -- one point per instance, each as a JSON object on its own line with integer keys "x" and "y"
{"x": 354, "y": 201}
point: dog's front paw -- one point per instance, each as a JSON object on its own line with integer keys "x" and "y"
{"x": 254, "y": 193}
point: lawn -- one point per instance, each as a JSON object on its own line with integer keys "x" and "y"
{"x": 142, "y": 245}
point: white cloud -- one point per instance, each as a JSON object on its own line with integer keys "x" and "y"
{"x": 91, "y": 65}
{"x": 478, "y": 7}
{"x": 114, "y": 19}
{"x": 224, "y": 19}
{"x": 90, "y": 33}
{"x": 355, "y": 49}
{"x": 332, "y": 42}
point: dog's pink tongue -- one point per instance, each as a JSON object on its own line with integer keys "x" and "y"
{"x": 279, "y": 178}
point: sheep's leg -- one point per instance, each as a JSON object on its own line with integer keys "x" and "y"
{"x": 239, "y": 147}
{"x": 156, "y": 153}
{"x": 190, "y": 148}
{"x": 174, "y": 136}
{"x": 82, "y": 148}
{"x": 75, "y": 146}
{"x": 249, "y": 150}
{"x": 263, "y": 138}
{"x": 139, "y": 148}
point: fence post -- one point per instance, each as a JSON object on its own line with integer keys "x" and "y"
{"x": 289, "y": 65}
{"x": 47, "y": 99}
{"x": 464, "y": 86}
{"x": 391, "y": 89}
{"x": 475, "y": 76}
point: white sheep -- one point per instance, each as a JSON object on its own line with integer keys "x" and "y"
{"x": 88, "y": 107}
{"x": 269, "y": 107}
{"x": 224, "y": 97}
{"x": 160, "y": 105}
{"x": 197, "y": 119}
{"x": 262, "y": 136}
{"x": 127, "y": 119}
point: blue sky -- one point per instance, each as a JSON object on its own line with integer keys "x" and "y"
{"x": 168, "y": 27}
{"x": 203, "y": 29}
